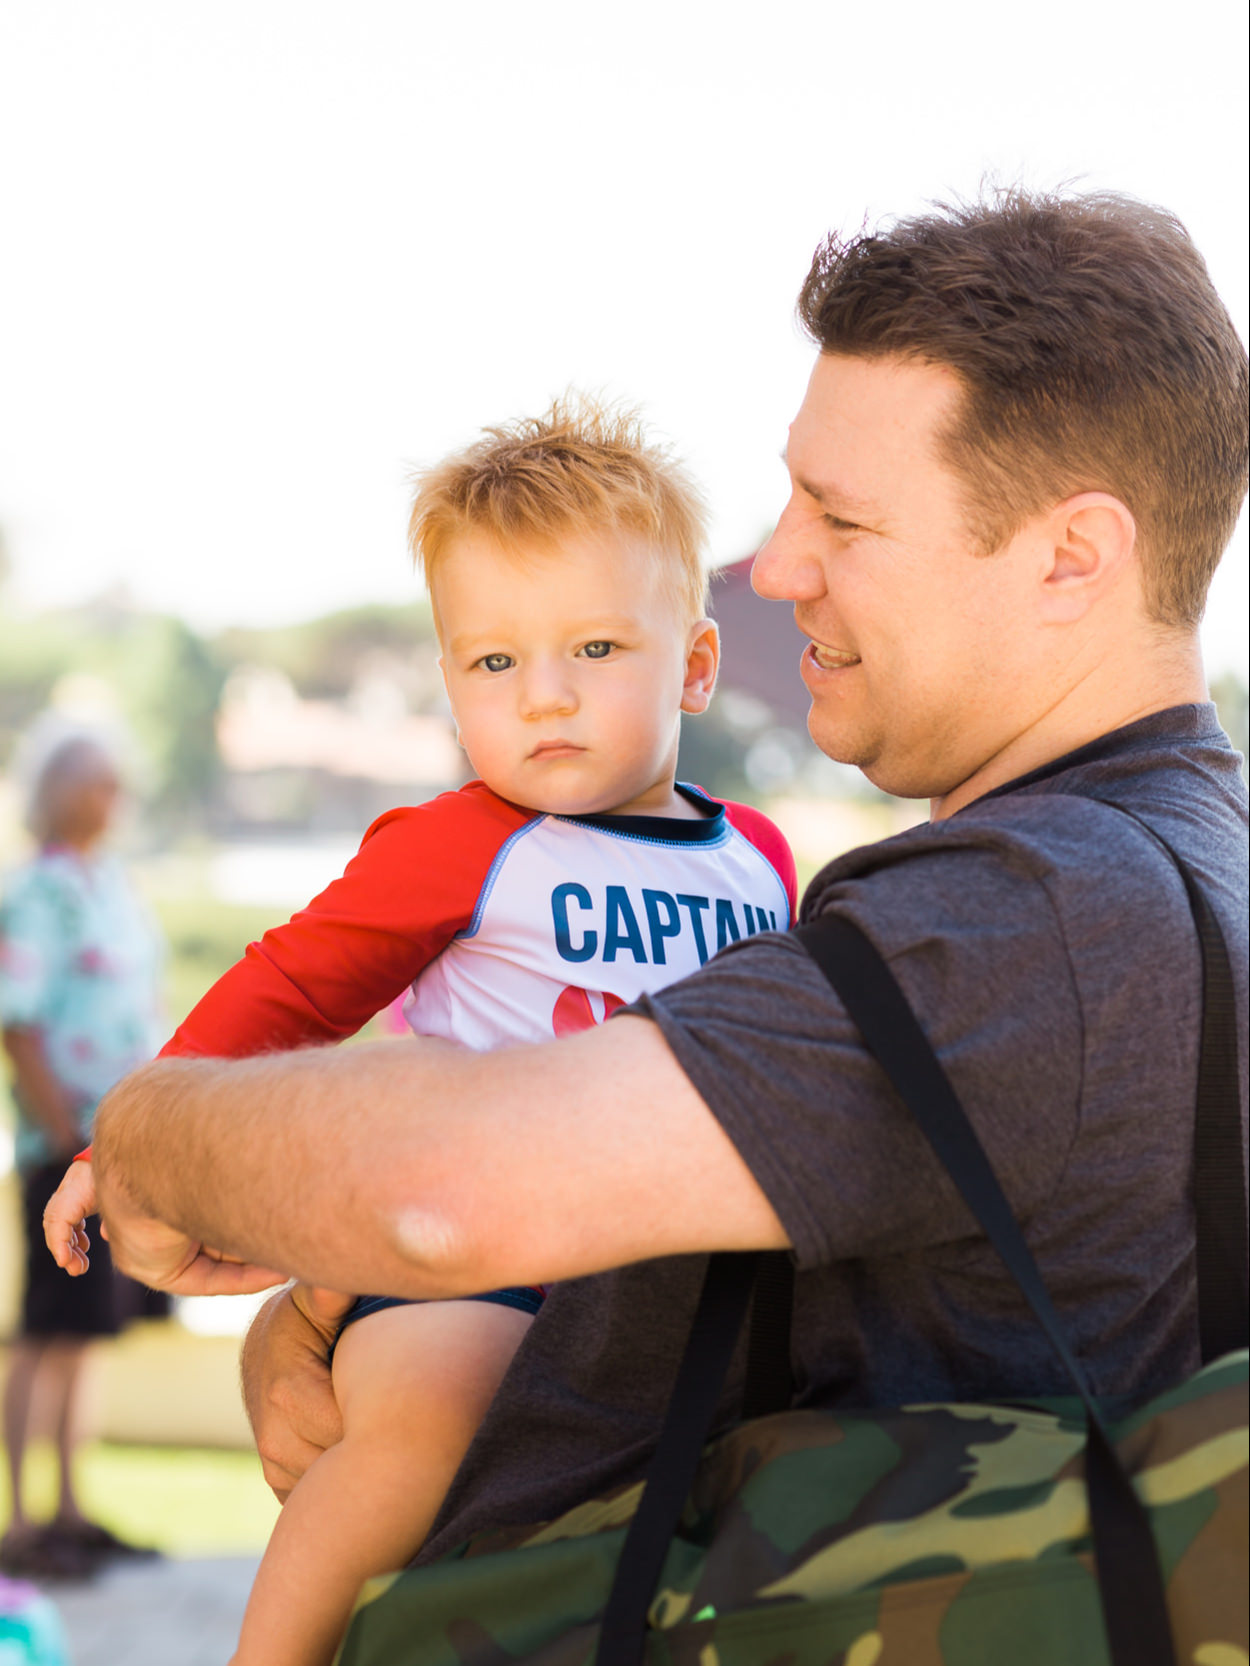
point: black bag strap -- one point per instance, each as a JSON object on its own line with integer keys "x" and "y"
{"x": 1220, "y": 1224}
{"x": 704, "y": 1366}
{"x": 1222, "y": 1248}
{"x": 1130, "y": 1582}
{"x": 769, "y": 1384}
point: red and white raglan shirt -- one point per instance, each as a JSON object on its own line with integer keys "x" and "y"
{"x": 504, "y": 924}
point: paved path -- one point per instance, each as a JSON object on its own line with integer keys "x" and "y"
{"x": 157, "y": 1613}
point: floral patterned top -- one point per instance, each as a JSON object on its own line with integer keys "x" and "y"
{"x": 80, "y": 961}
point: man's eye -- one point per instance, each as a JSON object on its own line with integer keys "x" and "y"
{"x": 597, "y": 650}
{"x": 839, "y": 525}
{"x": 495, "y": 662}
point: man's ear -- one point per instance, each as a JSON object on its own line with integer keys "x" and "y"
{"x": 702, "y": 664}
{"x": 1091, "y": 547}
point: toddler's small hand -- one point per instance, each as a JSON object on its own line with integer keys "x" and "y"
{"x": 64, "y": 1219}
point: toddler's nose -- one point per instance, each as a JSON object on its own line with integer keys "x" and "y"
{"x": 546, "y": 689}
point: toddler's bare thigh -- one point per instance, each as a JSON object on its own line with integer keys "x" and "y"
{"x": 426, "y": 1371}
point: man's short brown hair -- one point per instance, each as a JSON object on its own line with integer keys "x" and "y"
{"x": 1095, "y": 355}
{"x": 583, "y": 467}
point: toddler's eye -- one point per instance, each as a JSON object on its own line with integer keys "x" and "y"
{"x": 597, "y": 650}
{"x": 495, "y": 662}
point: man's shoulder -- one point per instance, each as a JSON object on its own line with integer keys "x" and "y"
{"x": 1092, "y": 811}
{"x": 1026, "y": 838}
{"x": 1059, "y": 855}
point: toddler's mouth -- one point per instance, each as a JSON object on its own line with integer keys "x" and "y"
{"x": 555, "y": 749}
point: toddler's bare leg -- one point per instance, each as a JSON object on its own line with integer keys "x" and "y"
{"x": 413, "y": 1383}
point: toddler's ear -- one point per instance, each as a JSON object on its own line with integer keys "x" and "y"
{"x": 702, "y": 664}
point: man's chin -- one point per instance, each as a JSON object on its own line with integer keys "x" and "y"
{"x": 844, "y": 745}
{"x": 871, "y": 756}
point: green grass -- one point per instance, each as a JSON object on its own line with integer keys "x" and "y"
{"x": 185, "y": 1502}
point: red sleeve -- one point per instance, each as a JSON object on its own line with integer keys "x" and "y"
{"x": 411, "y": 887}
{"x": 770, "y": 841}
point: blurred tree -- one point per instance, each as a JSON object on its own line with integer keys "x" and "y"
{"x": 1232, "y": 701}
{"x": 323, "y": 657}
{"x": 169, "y": 680}
{"x": 165, "y": 679}
{"x": 34, "y": 652}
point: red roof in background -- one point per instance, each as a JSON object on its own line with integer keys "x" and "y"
{"x": 760, "y": 645}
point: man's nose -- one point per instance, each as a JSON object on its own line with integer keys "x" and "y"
{"x": 546, "y": 689}
{"x": 786, "y": 569}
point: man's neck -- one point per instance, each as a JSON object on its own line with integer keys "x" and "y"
{"x": 1113, "y": 695}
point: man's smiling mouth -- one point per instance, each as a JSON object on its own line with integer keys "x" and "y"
{"x": 832, "y": 659}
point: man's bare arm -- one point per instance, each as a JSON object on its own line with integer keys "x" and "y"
{"x": 419, "y": 1169}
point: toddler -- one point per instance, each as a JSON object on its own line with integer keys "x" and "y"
{"x": 563, "y": 557}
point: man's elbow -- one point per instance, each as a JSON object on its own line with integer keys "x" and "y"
{"x": 435, "y": 1244}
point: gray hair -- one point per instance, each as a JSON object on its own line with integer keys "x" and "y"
{"x": 56, "y": 753}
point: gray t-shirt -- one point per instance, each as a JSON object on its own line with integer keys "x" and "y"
{"x": 1047, "y": 947}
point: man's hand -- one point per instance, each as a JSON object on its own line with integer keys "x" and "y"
{"x": 287, "y": 1391}
{"x": 64, "y": 1219}
{"x": 165, "y": 1259}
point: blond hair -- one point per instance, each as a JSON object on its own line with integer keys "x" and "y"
{"x": 583, "y": 467}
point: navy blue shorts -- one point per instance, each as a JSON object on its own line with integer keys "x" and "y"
{"x": 525, "y": 1298}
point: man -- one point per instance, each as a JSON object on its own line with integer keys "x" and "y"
{"x": 1021, "y": 453}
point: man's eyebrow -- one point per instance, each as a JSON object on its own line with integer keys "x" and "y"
{"x": 829, "y": 495}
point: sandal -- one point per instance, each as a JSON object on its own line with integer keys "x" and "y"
{"x": 41, "y": 1554}
{"x": 95, "y": 1538}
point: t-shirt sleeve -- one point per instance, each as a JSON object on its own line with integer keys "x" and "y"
{"x": 771, "y": 843}
{"x": 770, "y": 1047}
{"x": 360, "y": 943}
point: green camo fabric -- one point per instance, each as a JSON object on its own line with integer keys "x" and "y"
{"x": 945, "y": 1535}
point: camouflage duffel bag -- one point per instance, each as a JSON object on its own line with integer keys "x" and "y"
{"x": 952, "y": 1535}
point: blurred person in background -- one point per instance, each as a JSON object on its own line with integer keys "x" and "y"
{"x": 80, "y": 963}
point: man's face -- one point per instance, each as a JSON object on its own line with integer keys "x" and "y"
{"x": 917, "y": 642}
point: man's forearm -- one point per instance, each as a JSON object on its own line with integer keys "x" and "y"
{"x": 420, "y": 1169}
{"x": 274, "y": 1159}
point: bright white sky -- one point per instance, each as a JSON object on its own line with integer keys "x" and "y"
{"x": 261, "y": 256}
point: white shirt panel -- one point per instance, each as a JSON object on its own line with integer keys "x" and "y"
{"x": 574, "y": 919}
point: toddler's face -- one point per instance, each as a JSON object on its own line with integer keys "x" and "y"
{"x": 567, "y": 671}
